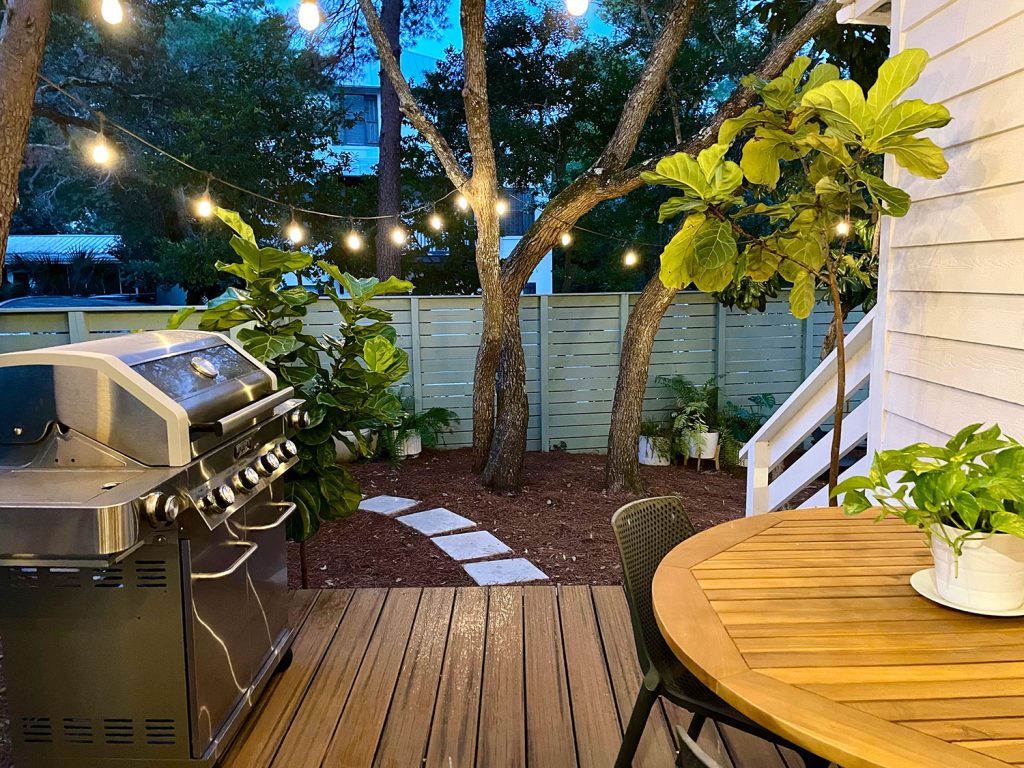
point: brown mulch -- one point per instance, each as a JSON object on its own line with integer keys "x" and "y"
{"x": 560, "y": 520}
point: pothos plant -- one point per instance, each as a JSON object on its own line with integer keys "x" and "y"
{"x": 343, "y": 377}
{"x": 738, "y": 222}
{"x": 974, "y": 484}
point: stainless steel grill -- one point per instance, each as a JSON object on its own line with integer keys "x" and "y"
{"x": 143, "y": 575}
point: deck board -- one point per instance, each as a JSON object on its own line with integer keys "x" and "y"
{"x": 537, "y": 676}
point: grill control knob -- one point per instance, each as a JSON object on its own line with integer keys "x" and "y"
{"x": 161, "y": 509}
{"x": 267, "y": 464}
{"x": 218, "y": 499}
{"x": 246, "y": 479}
{"x": 300, "y": 418}
{"x": 286, "y": 450}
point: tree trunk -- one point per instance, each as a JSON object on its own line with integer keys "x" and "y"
{"x": 839, "y": 411}
{"x": 22, "y": 43}
{"x": 622, "y": 467}
{"x": 389, "y": 179}
{"x": 829, "y": 342}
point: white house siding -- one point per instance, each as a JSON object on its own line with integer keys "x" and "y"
{"x": 951, "y": 350}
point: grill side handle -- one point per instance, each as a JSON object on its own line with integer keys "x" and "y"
{"x": 244, "y": 417}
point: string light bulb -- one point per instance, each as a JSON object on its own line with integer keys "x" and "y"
{"x": 566, "y": 239}
{"x": 630, "y": 258}
{"x": 294, "y": 231}
{"x": 501, "y": 207}
{"x": 843, "y": 228}
{"x": 309, "y": 15}
{"x": 101, "y": 153}
{"x": 204, "y": 205}
{"x": 353, "y": 241}
{"x": 577, "y": 7}
{"x": 461, "y": 202}
{"x": 398, "y": 236}
{"x": 436, "y": 222}
{"x": 111, "y": 11}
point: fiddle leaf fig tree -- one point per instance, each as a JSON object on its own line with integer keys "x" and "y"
{"x": 344, "y": 377}
{"x": 830, "y": 138}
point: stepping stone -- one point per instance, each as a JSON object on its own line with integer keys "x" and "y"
{"x": 471, "y": 546}
{"x": 512, "y": 571}
{"x": 387, "y": 505}
{"x": 435, "y": 521}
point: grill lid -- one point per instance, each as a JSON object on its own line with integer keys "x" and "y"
{"x": 157, "y": 397}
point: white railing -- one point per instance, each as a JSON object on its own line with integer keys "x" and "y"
{"x": 807, "y": 409}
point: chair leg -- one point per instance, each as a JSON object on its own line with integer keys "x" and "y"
{"x": 813, "y": 761}
{"x": 635, "y": 729}
{"x": 693, "y": 731}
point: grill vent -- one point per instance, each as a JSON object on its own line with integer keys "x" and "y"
{"x": 108, "y": 578}
{"x": 118, "y": 731}
{"x": 78, "y": 730}
{"x": 160, "y": 733}
{"x": 37, "y": 730}
{"x": 24, "y": 577}
{"x": 150, "y": 574}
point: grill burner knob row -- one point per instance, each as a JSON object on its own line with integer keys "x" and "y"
{"x": 286, "y": 450}
{"x": 161, "y": 508}
{"x": 246, "y": 479}
{"x": 267, "y": 464}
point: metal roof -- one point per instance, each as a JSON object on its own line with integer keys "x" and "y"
{"x": 62, "y": 247}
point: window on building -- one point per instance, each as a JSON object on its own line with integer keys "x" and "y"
{"x": 361, "y": 110}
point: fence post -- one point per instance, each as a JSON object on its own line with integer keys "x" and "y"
{"x": 542, "y": 372}
{"x": 809, "y": 363}
{"x": 77, "y": 329}
{"x": 720, "y": 349}
{"x": 414, "y": 356}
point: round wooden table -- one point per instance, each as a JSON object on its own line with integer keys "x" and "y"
{"x": 805, "y": 621}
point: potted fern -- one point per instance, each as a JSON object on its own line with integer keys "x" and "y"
{"x": 694, "y": 409}
{"x": 968, "y": 499}
{"x": 655, "y": 448}
{"x": 416, "y": 430}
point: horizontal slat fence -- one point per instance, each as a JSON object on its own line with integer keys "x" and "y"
{"x": 571, "y": 343}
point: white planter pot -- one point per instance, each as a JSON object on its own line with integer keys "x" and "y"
{"x": 410, "y": 447}
{"x": 708, "y": 446}
{"x": 988, "y": 575}
{"x": 344, "y": 454}
{"x": 650, "y": 456}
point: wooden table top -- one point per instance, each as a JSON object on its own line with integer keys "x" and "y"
{"x": 806, "y": 622}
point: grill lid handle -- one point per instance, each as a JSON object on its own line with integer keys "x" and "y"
{"x": 243, "y": 416}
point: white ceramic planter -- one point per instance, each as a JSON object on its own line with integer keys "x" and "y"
{"x": 344, "y": 454}
{"x": 411, "y": 447}
{"x": 988, "y": 575}
{"x": 650, "y": 456}
{"x": 708, "y": 446}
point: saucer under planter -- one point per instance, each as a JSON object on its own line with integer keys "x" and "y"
{"x": 923, "y": 583}
{"x": 650, "y": 455}
{"x": 988, "y": 576}
{"x": 344, "y": 454}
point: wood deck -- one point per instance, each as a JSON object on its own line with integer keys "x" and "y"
{"x": 453, "y": 678}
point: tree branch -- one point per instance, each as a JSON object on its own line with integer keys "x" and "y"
{"x": 62, "y": 118}
{"x": 410, "y": 108}
{"x": 645, "y": 93}
{"x": 821, "y": 16}
{"x": 474, "y": 97}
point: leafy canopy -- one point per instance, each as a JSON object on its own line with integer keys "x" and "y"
{"x": 344, "y": 378}
{"x": 835, "y": 135}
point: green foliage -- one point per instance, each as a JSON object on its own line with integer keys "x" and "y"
{"x": 430, "y": 424}
{"x": 694, "y": 411}
{"x": 344, "y": 378}
{"x": 833, "y": 137}
{"x": 738, "y": 423}
{"x": 660, "y": 435}
{"x": 975, "y": 483}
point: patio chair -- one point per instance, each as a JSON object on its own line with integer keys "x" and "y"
{"x": 690, "y": 753}
{"x": 645, "y": 531}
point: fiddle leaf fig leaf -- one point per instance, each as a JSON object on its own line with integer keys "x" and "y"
{"x": 820, "y": 75}
{"x": 919, "y": 155}
{"x": 676, "y": 205}
{"x": 841, "y": 105}
{"x": 898, "y": 200}
{"x": 677, "y": 259}
{"x": 679, "y": 171}
{"x": 714, "y": 245}
{"x": 895, "y": 76}
{"x": 762, "y": 263}
{"x": 179, "y": 317}
{"x": 796, "y": 69}
{"x": 763, "y": 153}
{"x": 265, "y": 347}
{"x": 801, "y": 296}
{"x": 234, "y": 220}
{"x": 905, "y": 119}
{"x": 752, "y": 116}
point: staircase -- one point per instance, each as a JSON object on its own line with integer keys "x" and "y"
{"x": 807, "y": 412}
